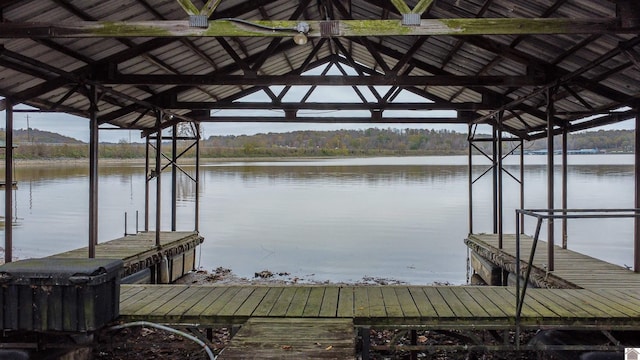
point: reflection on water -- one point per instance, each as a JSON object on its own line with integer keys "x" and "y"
{"x": 338, "y": 219}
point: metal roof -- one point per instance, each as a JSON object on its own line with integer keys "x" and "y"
{"x": 497, "y": 74}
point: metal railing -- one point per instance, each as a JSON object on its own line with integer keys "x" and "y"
{"x": 551, "y": 214}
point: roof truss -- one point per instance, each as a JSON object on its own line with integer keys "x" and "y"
{"x": 394, "y": 43}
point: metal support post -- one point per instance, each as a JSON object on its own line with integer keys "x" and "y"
{"x": 174, "y": 176}
{"x": 197, "y": 194}
{"x": 470, "y": 170}
{"x": 636, "y": 242}
{"x": 500, "y": 189}
{"x": 146, "y": 184}
{"x": 495, "y": 182}
{"x": 521, "y": 183}
{"x": 158, "y": 175}
{"x": 564, "y": 186}
{"x": 8, "y": 182}
{"x": 93, "y": 171}
{"x": 550, "y": 184}
{"x": 365, "y": 334}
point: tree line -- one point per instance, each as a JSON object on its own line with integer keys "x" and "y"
{"x": 37, "y": 144}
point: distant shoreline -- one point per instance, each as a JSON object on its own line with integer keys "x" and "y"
{"x": 190, "y": 161}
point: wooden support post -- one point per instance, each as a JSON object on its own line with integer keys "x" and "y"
{"x": 550, "y": 184}
{"x": 93, "y": 171}
{"x": 8, "y": 182}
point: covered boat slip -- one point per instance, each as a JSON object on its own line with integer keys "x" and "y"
{"x": 508, "y": 71}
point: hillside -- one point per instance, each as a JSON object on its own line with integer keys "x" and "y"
{"x": 401, "y": 141}
{"x": 38, "y": 144}
{"x": 35, "y": 136}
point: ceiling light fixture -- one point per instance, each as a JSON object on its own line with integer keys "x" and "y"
{"x": 302, "y": 29}
{"x": 301, "y": 37}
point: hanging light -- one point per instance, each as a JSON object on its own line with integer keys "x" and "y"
{"x": 301, "y": 37}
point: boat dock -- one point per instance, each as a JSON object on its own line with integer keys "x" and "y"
{"x": 143, "y": 259}
{"x": 307, "y": 313}
{"x": 572, "y": 269}
{"x": 428, "y": 307}
{"x": 582, "y": 294}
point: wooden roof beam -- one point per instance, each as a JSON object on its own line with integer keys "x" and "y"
{"x": 340, "y": 28}
{"x": 329, "y": 80}
{"x": 420, "y": 106}
{"x": 329, "y": 120}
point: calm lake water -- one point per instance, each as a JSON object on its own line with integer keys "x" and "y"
{"x": 338, "y": 219}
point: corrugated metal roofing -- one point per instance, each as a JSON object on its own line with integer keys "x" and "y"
{"x": 600, "y": 72}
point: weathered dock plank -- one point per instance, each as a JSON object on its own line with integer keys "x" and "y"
{"x": 423, "y": 304}
{"x": 267, "y": 303}
{"x": 459, "y": 309}
{"x": 330, "y": 298}
{"x": 314, "y": 303}
{"x": 214, "y": 309}
{"x": 439, "y": 303}
{"x": 391, "y": 302}
{"x": 407, "y": 304}
{"x": 346, "y": 304}
{"x": 233, "y": 304}
{"x": 292, "y": 338}
{"x": 299, "y": 302}
{"x": 282, "y": 305}
{"x": 250, "y": 305}
{"x": 191, "y": 301}
{"x": 361, "y": 302}
{"x": 376, "y": 302}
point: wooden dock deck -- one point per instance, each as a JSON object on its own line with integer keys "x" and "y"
{"x": 436, "y": 307}
{"x": 292, "y": 338}
{"x": 593, "y": 295}
{"x": 572, "y": 269}
{"x": 139, "y": 251}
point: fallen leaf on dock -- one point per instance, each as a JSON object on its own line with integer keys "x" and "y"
{"x": 287, "y": 347}
{"x": 329, "y": 347}
{"x": 422, "y": 339}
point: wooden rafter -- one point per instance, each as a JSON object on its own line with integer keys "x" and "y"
{"x": 329, "y": 106}
{"x": 330, "y": 80}
{"x": 345, "y": 28}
